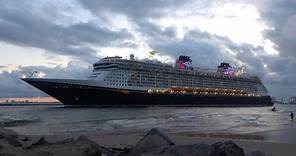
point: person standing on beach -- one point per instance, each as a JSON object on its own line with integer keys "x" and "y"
{"x": 292, "y": 115}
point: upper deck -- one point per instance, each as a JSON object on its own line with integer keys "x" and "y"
{"x": 156, "y": 66}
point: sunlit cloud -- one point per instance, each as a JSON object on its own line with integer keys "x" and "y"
{"x": 270, "y": 47}
{"x": 13, "y": 56}
{"x": 239, "y": 22}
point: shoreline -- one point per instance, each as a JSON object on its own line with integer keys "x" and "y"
{"x": 284, "y": 136}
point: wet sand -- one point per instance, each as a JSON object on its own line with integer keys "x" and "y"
{"x": 269, "y": 148}
{"x": 281, "y": 136}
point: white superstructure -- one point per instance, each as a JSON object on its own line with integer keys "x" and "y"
{"x": 117, "y": 72}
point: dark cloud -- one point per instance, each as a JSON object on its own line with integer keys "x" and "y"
{"x": 153, "y": 32}
{"x": 281, "y": 16}
{"x": 136, "y": 10}
{"x": 22, "y": 26}
{"x": 209, "y": 50}
{"x": 139, "y": 13}
{"x": 196, "y": 44}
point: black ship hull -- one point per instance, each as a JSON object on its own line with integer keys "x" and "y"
{"x": 84, "y": 95}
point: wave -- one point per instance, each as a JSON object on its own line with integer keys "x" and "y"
{"x": 16, "y": 123}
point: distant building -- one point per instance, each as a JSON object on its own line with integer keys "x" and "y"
{"x": 287, "y": 100}
{"x": 292, "y": 100}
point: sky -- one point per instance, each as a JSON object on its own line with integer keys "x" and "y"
{"x": 61, "y": 39}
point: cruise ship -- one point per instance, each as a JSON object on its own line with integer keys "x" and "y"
{"x": 119, "y": 82}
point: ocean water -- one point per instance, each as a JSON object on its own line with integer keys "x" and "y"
{"x": 56, "y": 119}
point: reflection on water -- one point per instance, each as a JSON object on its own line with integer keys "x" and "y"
{"x": 60, "y": 120}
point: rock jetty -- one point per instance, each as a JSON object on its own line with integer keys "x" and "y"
{"x": 154, "y": 143}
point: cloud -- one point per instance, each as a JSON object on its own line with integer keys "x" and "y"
{"x": 81, "y": 29}
{"x": 12, "y": 86}
{"x": 135, "y": 10}
{"x": 208, "y": 50}
{"x": 281, "y": 16}
{"x": 23, "y": 26}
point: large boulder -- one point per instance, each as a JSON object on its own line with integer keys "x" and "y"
{"x": 11, "y": 144}
{"x": 13, "y": 141}
{"x": 190, "y": 150}
{"x": 227, "y": 148}
{"x": 10, "y": 137}
{"x": 7, "y": 132}
{"x": 152, "y": 140}
{"x": 41, "y": 142}
{"x": 91, "y": 148}
{"x": 83, "y": 146}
